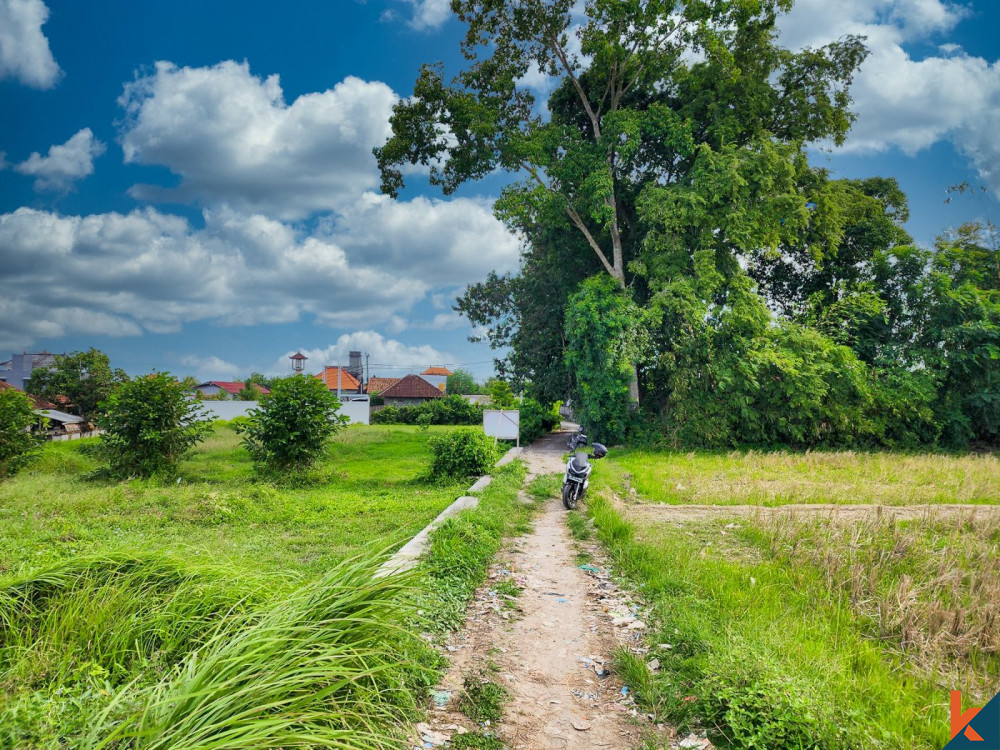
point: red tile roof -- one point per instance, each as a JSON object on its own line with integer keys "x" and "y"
{"x": 347, "y": 382}
{"x": 36, "y": 402}
{"x": 437, "y": 371}
{"x": 412, "y": 386}
{"x": 377, "y": 385}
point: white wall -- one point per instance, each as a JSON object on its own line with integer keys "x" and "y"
{"x": 356, "y": 411}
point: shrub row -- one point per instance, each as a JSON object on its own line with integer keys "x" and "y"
{"x": 450, "y": 410}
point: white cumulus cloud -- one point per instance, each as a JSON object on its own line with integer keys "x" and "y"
{"x": 24, "y": 51}
{"x": 155, "y": 272}
{"x": 429, "y": 14}
{"x": 231, "y": 137}
{"x": 65, "y": 163}
{"x": 211, "y": 367}
{"x": 904, "y": 102}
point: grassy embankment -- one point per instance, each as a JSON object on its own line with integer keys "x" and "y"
{"x": 217, "y": 612}
{"x": 801, "y": 630}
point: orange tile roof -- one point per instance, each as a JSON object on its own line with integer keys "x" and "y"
{"x": 35, "y": 401}
{"x": 347, "y": 382}
{"x": 377, "y": 385}
{"x": 437, "y": 371}
{"x": 412, "y": 386}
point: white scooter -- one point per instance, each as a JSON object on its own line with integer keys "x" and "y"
{"x": 578, "y": 468}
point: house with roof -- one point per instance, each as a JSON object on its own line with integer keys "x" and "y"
{"x": 340, "y": 379}
{"x": 377, "y": 385}
{"x": 212, "y": 389}
{"x": 17, "y": 369}
{"x": 62, "y": 425}
{"x": 437, "y": 376}
{"x": 409, "y": 391}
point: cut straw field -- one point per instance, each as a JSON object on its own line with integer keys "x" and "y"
{"x": 783, "y": 618}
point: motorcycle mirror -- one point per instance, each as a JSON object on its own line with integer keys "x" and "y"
{"x": 600, "y": 450}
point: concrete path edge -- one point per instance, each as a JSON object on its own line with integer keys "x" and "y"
{"x": 406, "y": 556}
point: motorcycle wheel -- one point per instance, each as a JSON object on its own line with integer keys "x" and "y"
{"x": 568, "y": 496}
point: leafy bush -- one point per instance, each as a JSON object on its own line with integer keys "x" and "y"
{"x": 536, "y": 420}
{"x": 463, "y": 453}
{"x": 753, "y": 705}
{"x": 149, "y": 424}
{"x": 18, "y": 445}
{"x": 450, "y": 410}
{"x": 292, "y": 425}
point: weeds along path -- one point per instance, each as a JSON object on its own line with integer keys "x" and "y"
{"x": 548, "y": 655}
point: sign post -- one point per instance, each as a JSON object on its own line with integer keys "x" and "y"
{"x": 503, "y": 424}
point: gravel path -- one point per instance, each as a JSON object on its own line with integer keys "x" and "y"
{"x": 551, "y": 654}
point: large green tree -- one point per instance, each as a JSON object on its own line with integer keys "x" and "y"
{"x": 661, "y": 95}
{"x": 85, "y": 379}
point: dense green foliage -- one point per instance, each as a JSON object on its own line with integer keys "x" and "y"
{"x": 84, "y": 379}
{"x": 293, "y": 424}
{"x": 603, "y": 331}
{"x": 19, "y": 445}
{"x": 463, "y": 453}
{"x": 760, "y": 302}
{"x": 148, "y": 425}
{"x": 450, "y": 410}
{"x": 536, "y": 420}
{"x": 461, "y": 382}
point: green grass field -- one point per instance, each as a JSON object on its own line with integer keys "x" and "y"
{"x": 805, "y": 630}
{"x": 367, "y": 491}
{"x": 217, "y": 611}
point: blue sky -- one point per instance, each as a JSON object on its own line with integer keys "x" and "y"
{"x": 189, "y": 186}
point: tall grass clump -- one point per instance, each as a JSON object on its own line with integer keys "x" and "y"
{"x": 72, "y": 633}
{"x": 331, "y": 665}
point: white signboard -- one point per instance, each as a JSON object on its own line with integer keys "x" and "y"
{"x": 503, "y": 424}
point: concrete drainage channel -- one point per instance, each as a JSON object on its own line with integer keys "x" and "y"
{"x": 407, "y": 555}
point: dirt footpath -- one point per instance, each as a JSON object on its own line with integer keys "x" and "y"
{"x": 551, "y": 650}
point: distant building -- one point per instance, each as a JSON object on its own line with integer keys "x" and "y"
{"x": 411, "y": 390}
{"x": 437, "y": 376}
{"x": 17, "y": 369}
{"x": 377, "y": 385}
{"x": 340, "y": 378}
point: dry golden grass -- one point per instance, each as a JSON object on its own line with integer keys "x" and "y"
{"x": 927, "y": 587}
{"x": 783, "y": 478}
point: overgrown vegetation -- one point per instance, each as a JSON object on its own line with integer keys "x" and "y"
{"x": 291, "y": 427}
{"x": 755, "y": 651}
{"x": 148, "y": 425}
{"x": 450, "y": 410}
{"x": 462, "y": 547}
{"x": 19, "y": 425}
{"x": 681, "y": 251}
{"x": 160, "y": 614}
